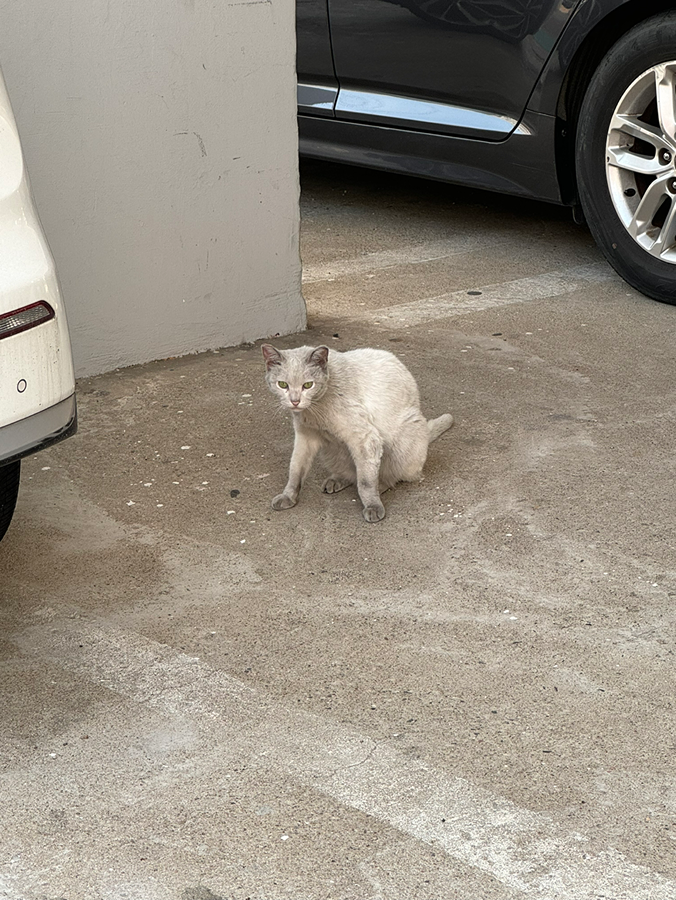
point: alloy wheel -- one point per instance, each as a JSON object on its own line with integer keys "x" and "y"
{"x": 641, "y": 160}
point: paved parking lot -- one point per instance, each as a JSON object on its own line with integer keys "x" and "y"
{"x": 473, "y": 700}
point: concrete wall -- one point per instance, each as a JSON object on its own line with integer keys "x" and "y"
{"x": 161, "y": 141}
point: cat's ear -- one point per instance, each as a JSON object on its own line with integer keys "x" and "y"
{"x": 271, "y": 355}
{"x": 319, "y": 357}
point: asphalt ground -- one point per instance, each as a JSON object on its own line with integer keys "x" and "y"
{"x": 472, "y": 700}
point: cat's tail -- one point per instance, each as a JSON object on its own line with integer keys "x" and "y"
{"x": 438, "y": 426}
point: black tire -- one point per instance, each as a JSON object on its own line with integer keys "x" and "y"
{"x": 649, "y": 44}
{"x": 9, "y": 491}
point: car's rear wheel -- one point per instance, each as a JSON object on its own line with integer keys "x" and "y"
{"x": 626, "y": 157}
{"x": 9, "y": 491}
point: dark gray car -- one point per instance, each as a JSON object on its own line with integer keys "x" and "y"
{"x": 570, "y": 101}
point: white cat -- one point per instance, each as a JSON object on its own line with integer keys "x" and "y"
{"x": 361, "y": 409}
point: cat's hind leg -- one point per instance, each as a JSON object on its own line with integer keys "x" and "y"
{"x": 338, "y": 461}
{"x": 334, "y": 484}
{"x": 404, "y": 459}
{"x": 367, "y": 452}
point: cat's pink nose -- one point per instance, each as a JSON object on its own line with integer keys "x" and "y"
{"x": 295, "y": 402}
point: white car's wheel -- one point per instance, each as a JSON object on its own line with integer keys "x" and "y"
{"x": 9, "y": 490}
{"x": 626, "y": 157}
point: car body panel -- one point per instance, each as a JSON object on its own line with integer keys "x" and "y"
{"x": 36, "y": 368}
{"x": 483, "y": 56}
{"x": 588, "y": 15}
{"x": 517, "y": 165}
{"x": 37, "y": 383}
{"x": 49, "y": 426}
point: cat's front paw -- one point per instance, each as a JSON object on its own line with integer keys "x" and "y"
{"x": 283, "y": 501}
{"x": 374, "y": 512}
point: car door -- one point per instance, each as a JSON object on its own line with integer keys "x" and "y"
{"x": 459, "y": 67}
{"x": 317, "y": 83}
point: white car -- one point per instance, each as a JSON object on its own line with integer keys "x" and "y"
{"x": 37, "y": 384}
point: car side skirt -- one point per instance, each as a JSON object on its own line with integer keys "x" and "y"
{"x": 523, "y": 164}
{"x": 49, "y": 426}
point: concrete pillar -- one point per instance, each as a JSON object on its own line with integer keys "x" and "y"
{"x": 161, "y": 142}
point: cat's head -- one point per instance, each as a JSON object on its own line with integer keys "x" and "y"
{"x": 297, "y": 377}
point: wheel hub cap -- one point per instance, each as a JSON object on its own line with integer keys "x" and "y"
{"x": 641, "y": 160}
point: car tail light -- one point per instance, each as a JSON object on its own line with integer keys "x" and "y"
{"x": 27, "y": 317}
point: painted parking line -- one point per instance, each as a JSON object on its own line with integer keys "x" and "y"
{"x": 414, "y": 254}
{"x": 522, "y": 290}
{"x": 527, "y": 852}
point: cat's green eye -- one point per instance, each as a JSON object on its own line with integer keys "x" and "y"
{"x": 308, "y": 385}
{"x": 283, "y": 384}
